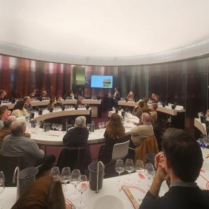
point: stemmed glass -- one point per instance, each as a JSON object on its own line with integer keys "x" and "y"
{"x": 60, "y": 127}
{"x": 55, "y": 173}
{"x": 100, "y": 125}
{"x": 75, "y": 179}
{"x": 150, "y": 170}
{"x": 139, "y": 167}
{"x": 65, "y": 176}
{"x": 119, "y": 168}
{"x": 103, "y": 124}
{"x": 53, "y": 126}
{"x": 129, "y": 166}
{"x": 82, "y": 186}
{"x": 2, "y": 185}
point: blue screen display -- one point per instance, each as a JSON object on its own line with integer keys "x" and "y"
{"x": 102, "y": 81}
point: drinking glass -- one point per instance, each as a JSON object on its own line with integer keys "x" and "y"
{"x": 139, "y": 167}
{"x": 119, "y": 168}
{"x": 65, "y": 176}
{"x": 150, "y": 170}
{"x": 103, "y": 124}
{"x": 75, "y": 179}
{"x": 55, "y": 173}
{"x": 82, "y": 186}
{"x": 56, "y": 126}
{"x": 88, "y": 126}
{"x": 60, "y": 127}
{"x": 53, "y": 126}
{"x": 100, "y": 125}
{"x": 129, "y": 166}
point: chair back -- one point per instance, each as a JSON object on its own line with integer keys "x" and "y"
{"x": 149, "y": 145}
{"x": 10, "y": 162}
{"x": 120, "y": 150}
{"x": 72, "y": 157}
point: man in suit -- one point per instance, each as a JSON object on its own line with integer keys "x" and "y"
{"x": 116, "y": 97}
{"x": 180, "y": 164}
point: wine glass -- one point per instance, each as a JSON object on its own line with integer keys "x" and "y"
{"x": 88, "y": 126}
{"x": 55, "y": 173}
{"x": 103, "y": 124}
{"x": 82, "y": 186}
{"x": 75, "y": 179}
{"x": 119, "y": 168}
{"x": 2, "y": 185}
{"x": 53, "y": 126}
{"x": 65, "y": 176}
{"x": 150, "y": 170}
{"x": 129, "y": 166}
{"x": 139, "y": 167}
{"x": 60, "y": 127}
{"x": 100, "y": 125}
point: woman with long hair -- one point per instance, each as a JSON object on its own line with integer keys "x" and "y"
{"x": 19, "y": 109}
{"x": 114, "y": 133}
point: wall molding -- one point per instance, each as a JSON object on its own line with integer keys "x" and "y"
{"x": 192, "y": 51}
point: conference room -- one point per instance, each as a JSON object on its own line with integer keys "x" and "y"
{"x": 97, "y": 99}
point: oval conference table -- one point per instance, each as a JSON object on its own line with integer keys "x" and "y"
{"x": 93, "y": 103}
{"x": 54, "y": 138}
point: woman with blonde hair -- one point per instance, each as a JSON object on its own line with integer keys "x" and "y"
{"x": 114, "y": 133}
{"x": 130, "y": 96}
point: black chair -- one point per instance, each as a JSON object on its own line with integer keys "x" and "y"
{"x": 8, "y": 165}
{"x": 72, "y": 157}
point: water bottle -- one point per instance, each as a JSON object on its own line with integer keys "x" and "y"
{"x": 92, "y": 126}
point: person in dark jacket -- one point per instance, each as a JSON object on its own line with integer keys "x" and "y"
{"x": 77, "y": 136}
{"x": 114, "y": 133}
{"x": 179, "y": 164}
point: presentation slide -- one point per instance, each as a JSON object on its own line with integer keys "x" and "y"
{"x": 104, "y": 81}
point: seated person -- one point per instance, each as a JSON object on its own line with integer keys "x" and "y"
{"x": 180, "y": 164}
{"x": 5, "y": 130}
{"x": 114, "y": 133}
{"x": 77, "y": 136}
{"x": 207, "y": 114}
{"x": 27, "y": 104}
{"x": 3, "y": 114}
{"x": 44, "y": 94}
{"x": 52, "y": 103}
{"x": 59, "y": 102}
{"x": 152, "y": 98}
{"x": 153, "y": 112}
{"x": 139, "y": 133}
{"x": 157, "y": 99}
{"x": 3, "y": 93}
{"x": 17, "y": 142}
{"x": 130, "y": 96}
{"x": 139, "y": 109}
{"x": 19, "y": 109}
{"x": 79, "y": 102}
{"x": 44, "y": 193}
{"x": 70, "y": 95}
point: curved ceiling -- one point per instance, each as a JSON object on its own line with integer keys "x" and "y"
{"x": 104, "y": 28}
